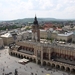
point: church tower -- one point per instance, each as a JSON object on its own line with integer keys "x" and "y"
{"x": 35, "y": 31}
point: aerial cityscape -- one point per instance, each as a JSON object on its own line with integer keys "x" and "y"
{"x": 42, "y": 43}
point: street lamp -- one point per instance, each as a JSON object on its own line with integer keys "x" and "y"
{"x": 16, "y": 72}
{"x": 3, "y": 71}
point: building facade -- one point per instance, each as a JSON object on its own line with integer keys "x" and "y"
{"x": 51, "y": 55}
{"x": 7, "y": 38}
{"x": 44, "y": 54}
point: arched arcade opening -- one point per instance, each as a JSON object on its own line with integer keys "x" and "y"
{"x": 39, "y": 62}
{"x": 68, "y": 69}
{"x": 62, "y": 68}
{"x": 11, "y": 53}
{"x": 53, "y": 65}
{"x": 15, "y": 54}
{"x": 48, "y": 64}
{"x": 34, "y": 60}
{"x": 57, "y": 67}
{"x": 30, "y": 59}
{"x": 21, "y": 57}
{"x": 24, "y": 57}
{"x": 73, "y": 71}
{"x": 44, "y": 63}
{"x": 27, "y": 57}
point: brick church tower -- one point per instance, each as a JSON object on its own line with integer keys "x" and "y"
{"x": 35, "y": 31}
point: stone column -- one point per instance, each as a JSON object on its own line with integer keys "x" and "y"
{"x": 36, "y": 58}
{"x": 49, "y": 54}
{"x": 41, "y": 57}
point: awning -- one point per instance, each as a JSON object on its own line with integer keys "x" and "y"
{"x": 23, "y": 60}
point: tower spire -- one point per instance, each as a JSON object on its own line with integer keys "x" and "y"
{"x": 35, "y": 20}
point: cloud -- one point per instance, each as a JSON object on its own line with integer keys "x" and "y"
{"x": 45, "y": 4}
{"x": 14, "y": 9}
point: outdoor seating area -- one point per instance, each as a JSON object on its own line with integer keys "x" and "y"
{"x": 23, "y": 61}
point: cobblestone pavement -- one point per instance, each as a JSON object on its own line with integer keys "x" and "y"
{"x": 9, "y": 64}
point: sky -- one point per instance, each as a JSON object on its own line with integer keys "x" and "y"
{"x": 19, "y": 9}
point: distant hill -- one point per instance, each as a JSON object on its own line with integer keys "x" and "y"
{"x": 32, "y": 19}
{"x": 26, "y": 20}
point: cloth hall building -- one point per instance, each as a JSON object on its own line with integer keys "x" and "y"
{"x": 53, "y": 55}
